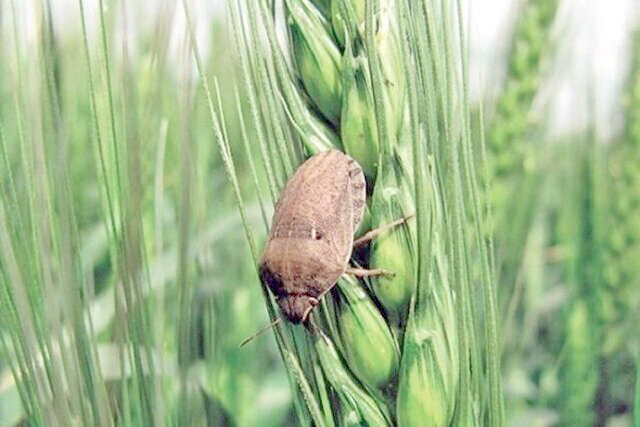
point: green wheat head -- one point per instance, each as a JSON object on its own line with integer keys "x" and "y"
{"x": 513, "y": 137}
{"x": 382, "y": 81}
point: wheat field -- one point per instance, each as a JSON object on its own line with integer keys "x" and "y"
{"x": 144, "y": 147}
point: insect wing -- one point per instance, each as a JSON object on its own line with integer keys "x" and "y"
{"x": 324, "y": 199}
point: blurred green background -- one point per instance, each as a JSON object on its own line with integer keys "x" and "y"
{"x": 120, "y": 237}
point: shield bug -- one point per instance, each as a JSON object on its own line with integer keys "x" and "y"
{"x": 312, "y": 233}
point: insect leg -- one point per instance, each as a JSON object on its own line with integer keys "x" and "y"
{"x": 372, "y": 234}
{"x": 364, "y": 272}
{"x": 313, "y": 327}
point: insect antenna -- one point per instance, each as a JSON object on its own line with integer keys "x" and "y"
{"x": 266, "y": 328}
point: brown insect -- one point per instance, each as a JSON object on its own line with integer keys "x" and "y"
{"x": 311, "y": 237}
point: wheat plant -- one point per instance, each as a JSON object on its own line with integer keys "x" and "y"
{"x": 387, "y": 82}
{"x": 142, "y": 152}
{"x": 117, "y": 227}
{"x": 514, "y": 137}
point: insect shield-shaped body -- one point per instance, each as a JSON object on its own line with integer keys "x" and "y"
{"x": 311, "y": 235}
